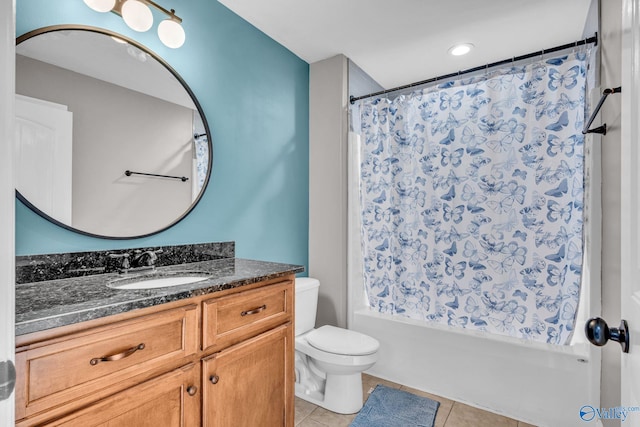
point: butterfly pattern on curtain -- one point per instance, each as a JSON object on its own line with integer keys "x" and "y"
{"x": 201, "y": 145}
{"x": 472, "y": 198}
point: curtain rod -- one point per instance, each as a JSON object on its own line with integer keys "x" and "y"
{"x": 593, "y": 39}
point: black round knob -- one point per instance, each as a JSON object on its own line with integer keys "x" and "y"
{"x": 597, "y": 331}
{"x": 214, "y": 379}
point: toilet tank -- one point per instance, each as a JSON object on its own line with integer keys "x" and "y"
{"x": 306, "y": 304}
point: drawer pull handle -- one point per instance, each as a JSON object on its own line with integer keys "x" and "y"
{"x": 254, "y": 311}
{"x": 114, "y": 357}
{"x": 214, "y": 379}
{"x": 192, "y": 390}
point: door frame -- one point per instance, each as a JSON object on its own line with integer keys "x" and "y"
{"x": 7, "y": 196}
{"x": 630, "y": 201}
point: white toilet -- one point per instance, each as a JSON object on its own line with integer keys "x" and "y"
{"x": 329, "y": 360}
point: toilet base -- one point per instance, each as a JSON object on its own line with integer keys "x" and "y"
{"x": 330, "y": 380}
{"x": 342, "y": 393}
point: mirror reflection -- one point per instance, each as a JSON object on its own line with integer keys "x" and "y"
{"x": 92, "y": 105}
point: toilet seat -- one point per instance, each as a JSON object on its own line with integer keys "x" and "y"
{"x": 342, "y": 341}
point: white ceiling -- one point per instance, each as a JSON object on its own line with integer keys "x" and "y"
{"x": 398, "y": 42}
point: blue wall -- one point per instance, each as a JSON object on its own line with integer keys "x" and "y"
{"x": 255, "y": 96}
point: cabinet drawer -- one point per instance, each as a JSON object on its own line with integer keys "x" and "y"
{"x": 93, "y": 362}
{"x": 228, "y": 320}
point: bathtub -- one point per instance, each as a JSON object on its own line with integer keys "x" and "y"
{"x": 538, "y": 383}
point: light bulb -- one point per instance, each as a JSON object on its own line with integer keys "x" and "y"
{"x": 171, "y": 33}
{"x": 137, "y": 15}
{"x": 100, "y": 5}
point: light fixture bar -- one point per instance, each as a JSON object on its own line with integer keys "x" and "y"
{"x": 171, "y": 13}
{"x": 117, "y": 9}
{"x": 138, "y": 16}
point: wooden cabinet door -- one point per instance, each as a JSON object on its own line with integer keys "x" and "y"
{"x": 250, "y": 384}
{"x": 170, "y": 400}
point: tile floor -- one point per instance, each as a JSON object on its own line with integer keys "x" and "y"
{"x": 450, "y": 413}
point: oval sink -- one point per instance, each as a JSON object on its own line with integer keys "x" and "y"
{"x": 155, "y": 282}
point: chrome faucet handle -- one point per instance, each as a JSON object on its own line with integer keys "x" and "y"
{"x": 120, "y": 255}
{"x": 126, "y": 264}
{"x": 148, "y": 251}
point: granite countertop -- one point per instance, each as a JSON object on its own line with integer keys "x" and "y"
{"x": 53, "y": 303}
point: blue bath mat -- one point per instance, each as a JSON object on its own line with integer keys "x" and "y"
{"x": 390, "y": 407}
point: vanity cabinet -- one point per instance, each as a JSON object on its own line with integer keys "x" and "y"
{"x": 222, "y": 359}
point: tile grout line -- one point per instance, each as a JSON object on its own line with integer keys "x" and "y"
{"x": 446, "y": 419}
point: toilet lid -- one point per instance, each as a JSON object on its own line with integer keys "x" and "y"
{"x": 342, "y": 341}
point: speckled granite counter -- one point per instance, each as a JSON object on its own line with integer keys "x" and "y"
{"x": 53, "y": 303}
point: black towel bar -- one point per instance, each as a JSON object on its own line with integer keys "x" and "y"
{"x": 181, "y": 178}
{"x": 600, "y": 129}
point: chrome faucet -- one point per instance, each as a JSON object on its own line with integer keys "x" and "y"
{"x": 142, "y": 259}
{"x": 138, "y": 261}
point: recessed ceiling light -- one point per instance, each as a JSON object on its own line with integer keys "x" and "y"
{"x": 460, "y": 49}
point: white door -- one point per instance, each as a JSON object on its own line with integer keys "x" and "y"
{"x": 630, "y": 220}
{"x": 43, "y": 155}
{"x": 7, "y": 203}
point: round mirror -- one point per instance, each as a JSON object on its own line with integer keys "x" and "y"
{"x": 110, "y": 141}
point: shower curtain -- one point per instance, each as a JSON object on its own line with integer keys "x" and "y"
{"x": 200, "y": 163}
{"x": 471, "y": 197}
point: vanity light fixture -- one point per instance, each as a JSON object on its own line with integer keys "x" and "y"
{"x": 171, "y": 32}
{"x": 460, "y": 49}
{"x": 101, "y": 5}
{"x": 138, "y": 16}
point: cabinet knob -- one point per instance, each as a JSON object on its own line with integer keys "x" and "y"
{"x": 214, "y": 379}
{"x": 191, "y": 390}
